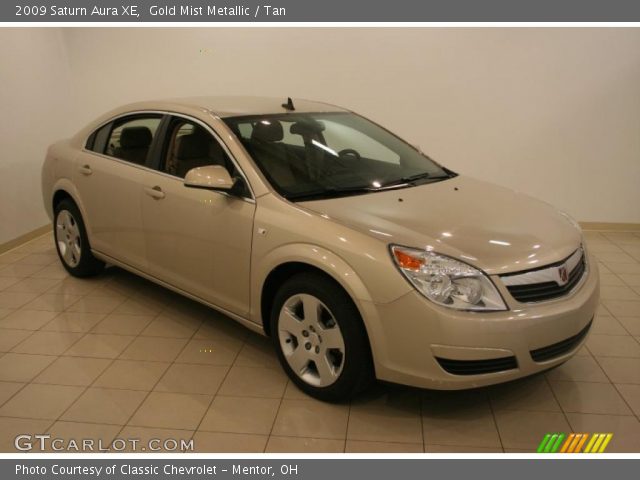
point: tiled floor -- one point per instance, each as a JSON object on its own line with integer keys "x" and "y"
{"x": 118, "y": 357}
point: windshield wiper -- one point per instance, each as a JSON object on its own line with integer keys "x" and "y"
{"x": 411, "y": 179}
{"x": 330, "y": 192}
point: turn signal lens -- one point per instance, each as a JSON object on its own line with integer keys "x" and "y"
{"x": 408, "y": 261}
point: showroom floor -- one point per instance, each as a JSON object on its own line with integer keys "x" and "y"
{"x": 117, "y": 356}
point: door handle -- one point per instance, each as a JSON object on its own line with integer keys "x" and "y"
{"x": 85, "y": 170}
{"x": 155, "y": 192}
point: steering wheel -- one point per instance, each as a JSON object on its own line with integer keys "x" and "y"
{"x": 349, "y": 152}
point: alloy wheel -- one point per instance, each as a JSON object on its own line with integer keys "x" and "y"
{"x": 68, "y": 238}
{"x": 311, "y": 340}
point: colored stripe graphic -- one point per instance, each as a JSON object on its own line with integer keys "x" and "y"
{"x": 574, "y": 443}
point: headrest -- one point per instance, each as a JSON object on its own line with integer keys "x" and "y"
{"x": 195, "y": 145}
{"x": 135, "y": 137}
{"x": 267, "y": 131}
{"x": 307, "y": 127}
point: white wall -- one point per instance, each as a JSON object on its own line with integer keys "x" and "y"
{"x": 551, "y": 112}
{"x": 34, "y": 105}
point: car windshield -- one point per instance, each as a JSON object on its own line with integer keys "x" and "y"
{"x": 307, "y": 156}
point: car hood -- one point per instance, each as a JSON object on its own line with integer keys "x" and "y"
{"x": 491, "y": 227}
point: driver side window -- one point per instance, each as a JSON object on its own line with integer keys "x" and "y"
{"x": 188, "y": 145}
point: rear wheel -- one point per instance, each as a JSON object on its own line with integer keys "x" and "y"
{"x": 72, "y": 242}
{"x": 320, "y": 338}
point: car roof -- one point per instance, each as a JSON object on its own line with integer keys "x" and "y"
{"x": 234, "y": 106}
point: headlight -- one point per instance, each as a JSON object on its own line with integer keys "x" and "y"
{"x": 446, "y": 281}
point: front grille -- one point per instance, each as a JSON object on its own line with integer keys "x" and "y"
{"x": 548, "y": 290}
{"x": 477, "y": 367}
{"x": 558, "y": 349}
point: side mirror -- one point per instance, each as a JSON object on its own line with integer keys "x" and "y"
{"x": 211, "y": 177}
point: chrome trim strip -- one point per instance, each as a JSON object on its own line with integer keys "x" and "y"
{"x": 550, "y": 274}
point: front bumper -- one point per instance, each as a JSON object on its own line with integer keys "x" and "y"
{"x": 409, "y": 333}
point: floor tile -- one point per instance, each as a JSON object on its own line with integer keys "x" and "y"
{"x": 460, "y": 449}
{"x": 213, "y": 442}
{"x": 73, "y": 322}
{"x": 241, "y": 415}
{"x": 6, "y": 282}
{"x": 469, "y": 422}
{"x": 8, "y": 390}
{"x": 210, "y": 352}
{"x": 626, "y": 430}
{"x": 72, "y": 371}
{"x": 19, "y": 270}
{"x": 254, "y": 382}
{"x": 100, "y": 437}
{"x": 48, "y": 343}
{"x": 580, "y": 369}
{"x": 27, "y": 319}
{"x": 156, "y": 439}
{"x": 75, "y": 286}
{"x": 99, "y": 346}
{"x": 529, "y": 394}
{"x": 41, "y": 401}
{"x": 311, "y": 418}
{"x": 294, "y": 393}
{"x": 11, "y": 338}
{"x": 631, "y": 324}
{"x": 137, "y": 307}
{"x": 185, "y": 378}
{"x": 631, "y": 394}
{"x": 154, "y": 349}
{"x": 15, "y": 300}
{"x": 132, "y": 375}
{"x": 359, "y": 446}
{"x": 95, "y": 304}
{"x": 525, "y": 430}
{"x": 631, "y": 279}
{"x": 607, "y": 325}
{"x": 613, "y": 346}
{"x": 258, "y": 351}
{"x": 171, "y": 410}
{"x": 43, "y": 259}
{"x": 588, "y": 397}
{"x": 53, "y": 271}
{"x": 623, "y": 308}
{"x": 391, "y": 417}
{"x": 123, "y": 324}
{"x": 50, "y": 302}
{"x": 304, "y": 445}
{"x": 621, "y": 370}
{"x": 10, "y": 428}
{"x": 15, "y": 367}
{"x": 166, "y": 325}
{"x": 104, "y": 405}
{"x": 32, "y": 285}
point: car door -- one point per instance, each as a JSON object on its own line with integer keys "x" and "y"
{"x": 109, "y": 176}
{"x": 198, "y": 240}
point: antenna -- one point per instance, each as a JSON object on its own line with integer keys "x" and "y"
{"x": 289, "y": 105}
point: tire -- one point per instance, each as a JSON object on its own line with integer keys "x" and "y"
{"x": 72, "y": 243}
{"x": 333, "y": 338}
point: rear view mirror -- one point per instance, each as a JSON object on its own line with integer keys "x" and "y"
{"x": 211, "y": 177}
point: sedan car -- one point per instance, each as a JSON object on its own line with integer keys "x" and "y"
{"x": 360, "y": 256}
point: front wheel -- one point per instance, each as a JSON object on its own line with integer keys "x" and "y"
{"x": 72, "y": 242}
{"x": 320, "y": 338}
